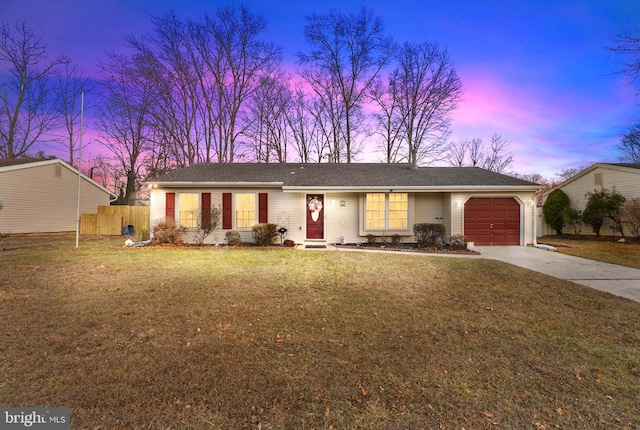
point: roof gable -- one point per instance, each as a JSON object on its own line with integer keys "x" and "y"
{"x": 7, "y": 165}
{"x": 631, "y": 168}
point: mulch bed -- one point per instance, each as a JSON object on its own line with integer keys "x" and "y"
{"x": 407, "y": 247}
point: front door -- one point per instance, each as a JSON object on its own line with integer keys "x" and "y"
{"x": 315, "y": 216}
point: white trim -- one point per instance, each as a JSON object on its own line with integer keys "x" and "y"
{"x": 414, "y": 189}
{"x": 212, "y": 184}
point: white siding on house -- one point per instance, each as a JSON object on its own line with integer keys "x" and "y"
{"x": 284, "y": 209}
{"x": 342, "y": 221}
{"x": 289, "y": 210}
{"x": 43, "y": 198}
{"x": 625, "y": 180}
{"x": 429, "y": 208}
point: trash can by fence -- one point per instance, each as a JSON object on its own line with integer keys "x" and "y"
{"x": 128, "y": 230}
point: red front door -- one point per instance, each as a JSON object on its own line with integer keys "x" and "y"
{"x": 315, "y": 216}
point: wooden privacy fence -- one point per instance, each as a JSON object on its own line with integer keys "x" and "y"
{"x": 110, "y": 219}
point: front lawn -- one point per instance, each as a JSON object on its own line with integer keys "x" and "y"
{"x": 608, "y": 250}
{"x": 227, "y": 338}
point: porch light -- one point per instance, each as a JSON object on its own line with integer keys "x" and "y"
{"x": 343, "y": 203}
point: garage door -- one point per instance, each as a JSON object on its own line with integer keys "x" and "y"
{"x": 492, "y": 221}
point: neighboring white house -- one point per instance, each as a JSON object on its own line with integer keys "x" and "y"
{"x": 42, "y": 196}
{"x": 624, "y": 177}
{"x": 331, "y": 202}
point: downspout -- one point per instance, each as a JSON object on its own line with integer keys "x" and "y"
{"x": 534, "y": 241}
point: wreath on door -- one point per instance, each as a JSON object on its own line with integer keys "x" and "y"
{"x": 315, "y": 206}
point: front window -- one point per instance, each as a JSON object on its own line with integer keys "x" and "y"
{"x": 188, "y": 210}
{"x": 245, "y": 210}
{"x": 375, "y": 210}
{"x": 386, "y": 211}
{"x": 398, "y": 210}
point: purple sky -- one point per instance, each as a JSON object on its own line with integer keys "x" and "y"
{"x": 536, "y": 72}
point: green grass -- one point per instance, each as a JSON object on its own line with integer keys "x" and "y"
{"x": 282, "y": 338}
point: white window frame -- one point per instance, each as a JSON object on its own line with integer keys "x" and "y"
{"x": 180, "y": 211}
{"x": 236, "y": 211}
{"x": 386, "y": 213}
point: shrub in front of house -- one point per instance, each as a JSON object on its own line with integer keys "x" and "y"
{"x": 233, "y": 238}
{"x": 166, "y": 231}
{"x": 458, "y": 242}
{"x": 429, "y": 235}
{"x": 264, "y": 234}
{"x": 371, "y": 239}
{"x": 554, "y": 209}
{"x": 396, "y": 240}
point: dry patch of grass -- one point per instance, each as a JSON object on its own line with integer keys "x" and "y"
{"x": 282, "y": 338}
{"x": 608, "y": 251}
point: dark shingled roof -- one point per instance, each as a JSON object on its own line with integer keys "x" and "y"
{"x": 329, "y": 175}
{"x": 5, "y": 162}
{"x": 630, "y": 165}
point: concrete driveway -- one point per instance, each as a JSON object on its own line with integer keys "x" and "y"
{"x": 619, "y": 280}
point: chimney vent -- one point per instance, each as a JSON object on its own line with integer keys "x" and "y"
{"x": 414, "y": 158}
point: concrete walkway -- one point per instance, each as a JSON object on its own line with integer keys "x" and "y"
{"x": 619, "y": 280}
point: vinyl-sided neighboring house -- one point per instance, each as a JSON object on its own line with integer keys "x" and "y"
{"x": 41, "y": 196}
{"x": 624, "y": 177}
{"x": 331, "y": 202}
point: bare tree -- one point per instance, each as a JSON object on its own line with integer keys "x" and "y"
{"x": 71, "y": 85}
{"x": 630, "y": 145}
{"x": 300, "y": 126}
{"x": 466, "y": 153}
{"x": 531, "y": 177}
{"x": 388, "y": 122}
{"x": 627, "y": 45}
{"x": 175, "y": 71}
{"x": 429, "y": 90}
{"x": 474, "y": 153}
{"x": 204, "y": 73}
{"x": 497, "y": 159}
{"x": 346, "y": 54}
{"x": 124, "y": 118}
{"x": 234, "y": 59}
{"x": 28, "y": 110}
{"x": 569, "y": 173}
{"x": 267, "y": 126}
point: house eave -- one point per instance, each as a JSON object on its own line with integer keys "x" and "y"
{"x": 196, "y": 184}
{"x": 414, "y": 189}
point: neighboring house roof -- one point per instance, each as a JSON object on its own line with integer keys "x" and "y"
{"x": 292, "y": 176}
{"x": 5, "y": 162}
{"x": 7, "y": 165}
{"x": 633, "y": 168}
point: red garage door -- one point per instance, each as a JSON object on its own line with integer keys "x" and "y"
{"x": 492, "y": 221}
